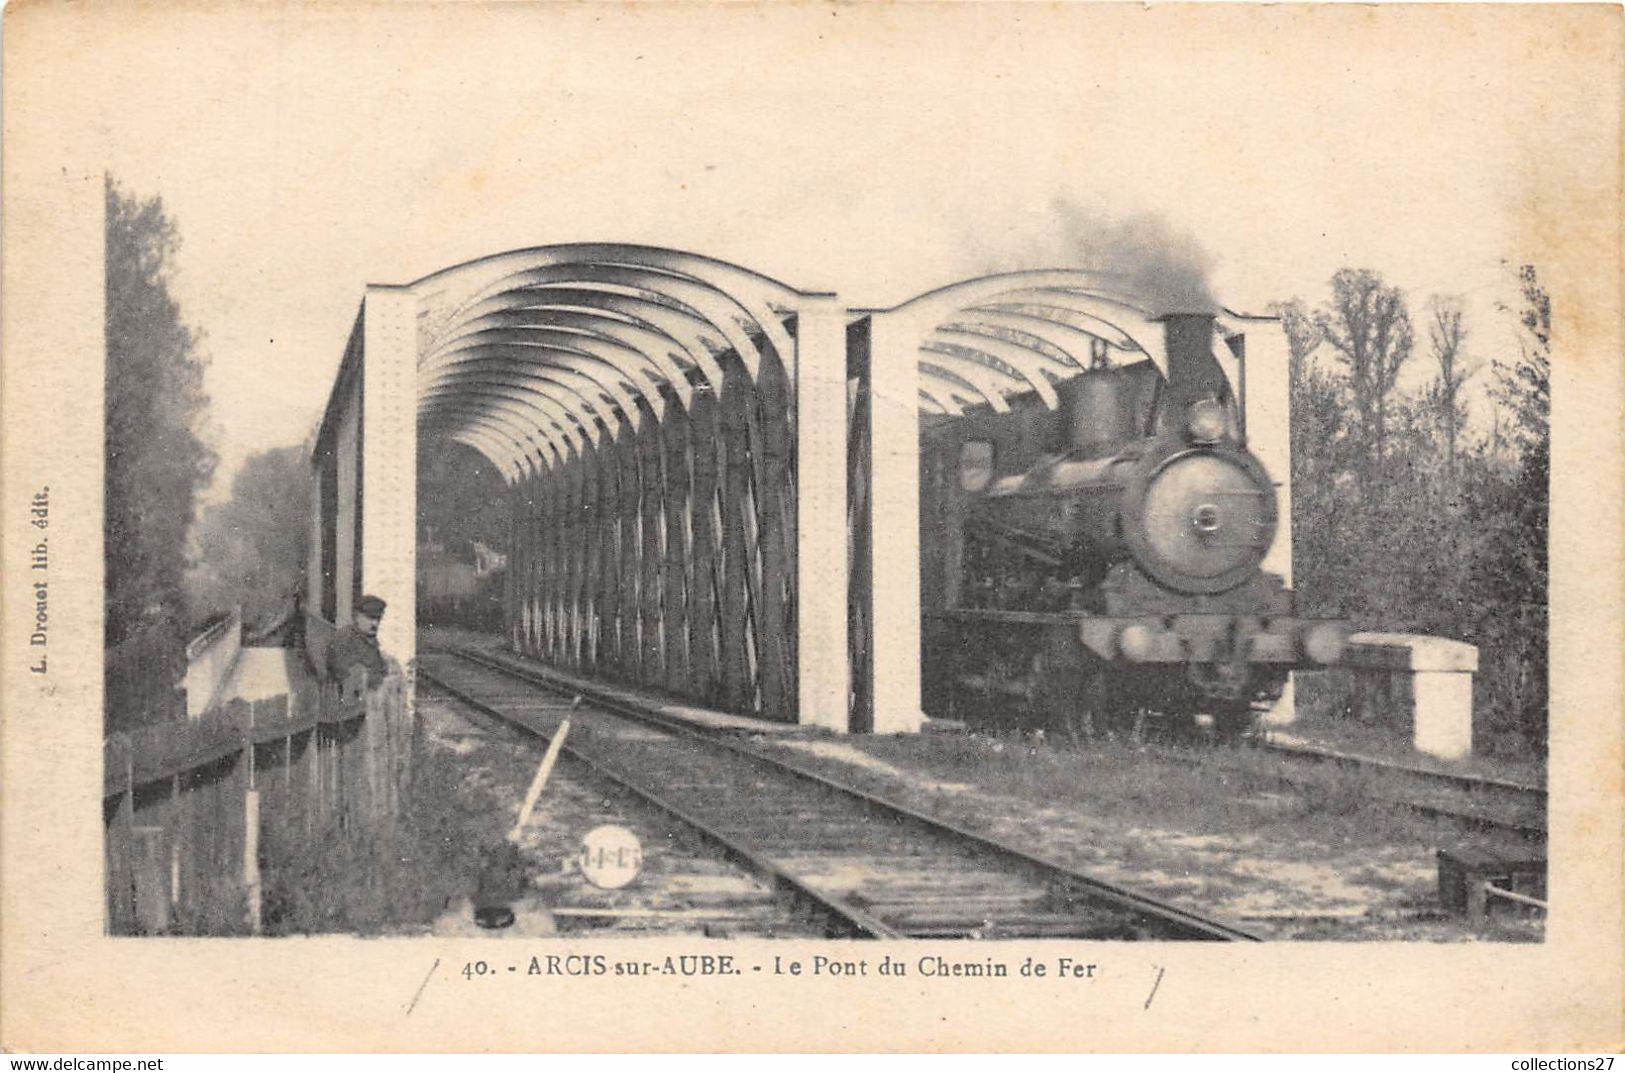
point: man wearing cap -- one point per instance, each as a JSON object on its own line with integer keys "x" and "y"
{"x": 356, "y": 645}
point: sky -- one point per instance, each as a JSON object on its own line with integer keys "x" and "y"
{"x": 877, "y": 151}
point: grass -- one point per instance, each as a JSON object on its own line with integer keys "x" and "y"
{"x": 1325, "y": 717}
{"x": 1201, "y": 789}
{"x": 393, "y": 879}
{"x": 1208, "y": 826}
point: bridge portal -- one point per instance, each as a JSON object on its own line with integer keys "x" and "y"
{"x": 671, "y": 429}
{"x": 714, "y": 477}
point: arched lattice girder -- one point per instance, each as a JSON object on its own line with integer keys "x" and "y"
{"x": 496, "y": 453}
{"x": 703, "y": 283}
{"x": 933, "y": 402}
{"x": 562, "y": 387}
{"x": 540, "y": 414}
{"x": 611, "y": 325}
{"x": 595, "y": 381}
{"x": 1071, "y": 330}
{"x": 765, "y": 291}
{"x": 1031, "y": 365}
{"x": 541, "y": 439}
{"x": 1109, "y": 288}
{"x": 965, "y": 372}
{"x": 619, "y": 369}
{"x": 668, "y": 359}
{"x": 721, "y": 316}
{"x": 634, "y": 369}
{"x": 680, "y": 341}
{"x": 1004, "y": 335}
{"x": 550, "y": 415}
{"x": 512, "y": 451}
{"x": 524, "y": 400}
{"x": 531, "y": 448}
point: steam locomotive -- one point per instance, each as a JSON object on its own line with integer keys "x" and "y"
{"x": 1100, "y": 564}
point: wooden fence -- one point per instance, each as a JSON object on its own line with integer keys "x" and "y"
{"x": 141, "y": 678}
{"x": 184, "y": 804}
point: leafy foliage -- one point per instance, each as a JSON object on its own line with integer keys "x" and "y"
{"x": 250, "y": 550}
{"x": 1403, "y": 519}
{"x": 156, "y": 461}
{"x": 461, "y": 499}
{"x": 1368, "y": 326}
{"x": 1447, "y": 336}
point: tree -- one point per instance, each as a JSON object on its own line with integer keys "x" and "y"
{"x": 1321, "y": 465}
{"x": 1524, "y": 385}
{"x": 1447, "y": 535}
{"x": 1447, "y": 335}
{"x": 1369, "y": 327}
{"x": 461, "y": 499}
{"x": 1510, "y": 569}
{"x": 1303, "y": 336}
{"x": 250, "y": 550}
{"x": 155, "y": 460}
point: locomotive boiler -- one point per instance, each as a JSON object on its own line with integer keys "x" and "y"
{"x": 1100, "y": 564}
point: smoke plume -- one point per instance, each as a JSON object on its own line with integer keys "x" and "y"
{"x": 1165, "y": 269}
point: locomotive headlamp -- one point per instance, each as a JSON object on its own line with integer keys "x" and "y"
{"x": 1204, "y": 421}
{"x": 1137, "y": 642}
{"x": 1323, "y": 643}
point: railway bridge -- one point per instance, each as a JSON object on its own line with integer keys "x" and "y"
{"x": 714, "y": 476}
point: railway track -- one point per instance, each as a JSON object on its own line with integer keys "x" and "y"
{"x": 685, "y": 886}
{"x": 868, "y": 867}
{"x": 1474, "y": 801}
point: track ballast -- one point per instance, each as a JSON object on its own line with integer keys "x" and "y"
{"x": 868, "y": 867}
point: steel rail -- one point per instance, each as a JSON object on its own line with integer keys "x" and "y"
{"x": 1465, "y": 782}
{"x": 849, "y": 921}
{"x": 1067, "y": 882}
{"x": 1470, "y": 819}
{"x": 1471, "y": 783}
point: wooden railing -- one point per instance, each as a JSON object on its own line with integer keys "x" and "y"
{"x": 210, "y": 657}
{"x": 184, "y": 802}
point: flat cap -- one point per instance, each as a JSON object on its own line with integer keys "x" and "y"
{"x": 371, "y": 606}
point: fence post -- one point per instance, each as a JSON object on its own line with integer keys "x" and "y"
{"x": 352, "y": 750}
{"x": 151, "y": 910}
{"x": 251, "y": 827}
{"x": 376, "y": 729}
{"x": 318, "y": 763}
{"x": 184, "y": 852}
{"x": 175, "y": 822}
{"x": 117, "y": 755}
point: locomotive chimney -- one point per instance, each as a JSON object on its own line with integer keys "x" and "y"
{"x": 1193, "y": 372}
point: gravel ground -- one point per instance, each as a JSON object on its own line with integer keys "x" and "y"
{"x": 683, "y": 887}
{"x": 1261, "y": 858}
{"x": 1212, "y": 830}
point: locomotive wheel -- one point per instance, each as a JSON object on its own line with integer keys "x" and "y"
{"x": 1068, "y": 695}
{"x": 1233, "y": 721}
{"x": 1055, "y": 692}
